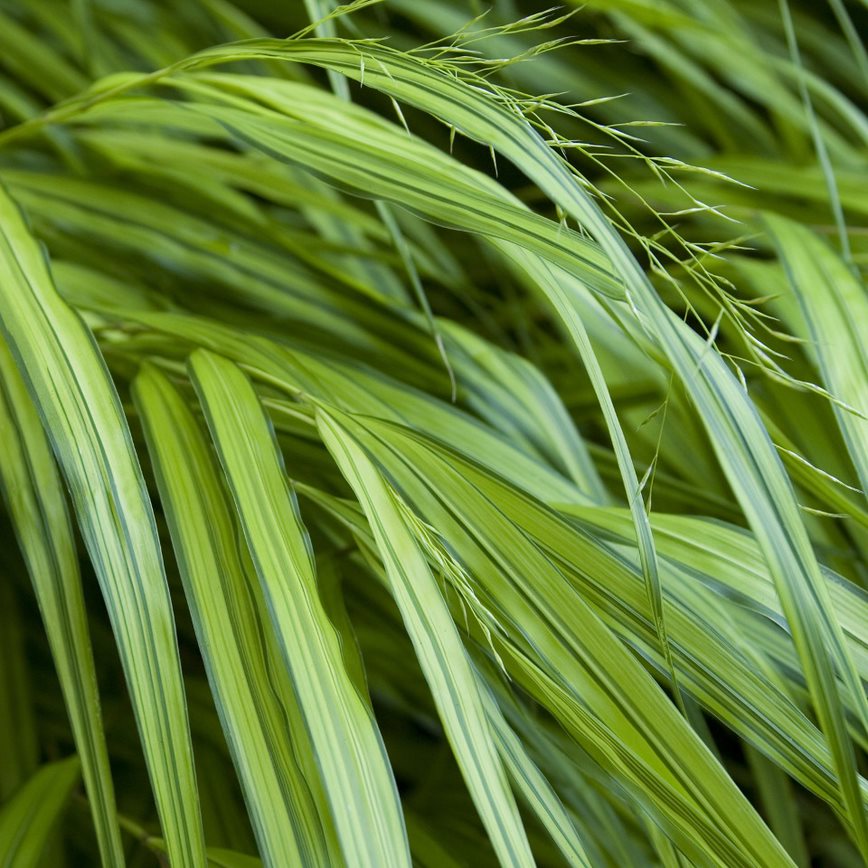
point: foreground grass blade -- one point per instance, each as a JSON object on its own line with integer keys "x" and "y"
{"x": 228, "y": 627}
{"x": 349, "y": 752}
{"x": 37, "y": 505}
{"x": 835, "y": 310}
{"x": 437, "y": 643}
{"x": 83, "y": 418}
{"x": 538, "y": 793}
{"x": 581, "y": 654}
{"x": 28, "y": 819}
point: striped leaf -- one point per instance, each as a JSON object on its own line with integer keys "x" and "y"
{"x": 349, "y": 753}
{"x": 437, "y": 643}
{"x": 83, "y": 419}
{"x": 228, "y": 628}
{"x": 36, "y": 502}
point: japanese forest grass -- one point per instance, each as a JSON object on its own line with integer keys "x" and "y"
{"x": 430, "y": 439}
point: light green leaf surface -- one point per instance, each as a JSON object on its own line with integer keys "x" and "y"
{"x": 438, "y": 646}
{"x": 228, "y": 628}
{"x": 80, "y": 409}
{"x": 36, "y": 502}
{"x": 349, "y": 753}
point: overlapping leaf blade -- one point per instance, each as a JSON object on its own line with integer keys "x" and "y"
{"x": 82, "y": 415}
{"x": 437, "y": 644}
{"x": 354, "y": 767}
{"x": 228, "y": 626}
{"x": 29, "y": 479}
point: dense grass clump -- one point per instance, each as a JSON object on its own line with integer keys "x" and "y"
{"x": 433, "y": 435}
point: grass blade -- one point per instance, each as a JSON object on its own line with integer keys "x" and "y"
{"x": 83, "y": 418}
{"x": 228, "y": 628}
{"x": 28, "y": 819}
{"x": 438, "y": 646}
{"x": 835, "y": 311}
{"x": 349, "y": 752}
{"x": 36, "y": 501}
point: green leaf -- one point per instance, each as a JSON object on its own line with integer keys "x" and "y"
{"x": 436, "y": 641}
{"x": 349, "y": 752}
{"x": 29, "y": 818}
{"x": 835, "y": 312}
{"x": 36, "y": 502}
{"x": 228, "y": 628}
{"x": 81, "y": 412}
